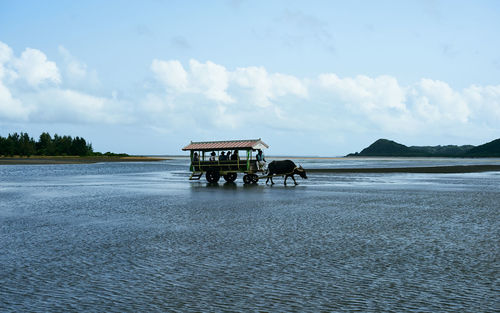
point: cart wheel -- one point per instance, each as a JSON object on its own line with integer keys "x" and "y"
{"x": 230, "y": 177}
{"x": 255, "y": 179}
{"x": 212, "y": 176}
{"x": 247, "y": 179}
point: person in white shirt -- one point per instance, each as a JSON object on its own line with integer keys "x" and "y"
{"x": 261, "y": 161}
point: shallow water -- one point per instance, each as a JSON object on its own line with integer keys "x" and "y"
{"x": 141, "y": 237}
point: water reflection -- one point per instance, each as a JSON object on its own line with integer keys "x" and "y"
{"x": 230, "y": 185}
{"x": 225, "y": 185}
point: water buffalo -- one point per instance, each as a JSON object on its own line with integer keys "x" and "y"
{"x": 287, "y": 168}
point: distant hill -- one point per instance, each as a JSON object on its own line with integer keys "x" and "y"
{"x": 490, "y": 149}
{"x": 385, "y": 147}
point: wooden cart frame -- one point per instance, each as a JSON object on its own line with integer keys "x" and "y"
{"x": 246, "y": 163}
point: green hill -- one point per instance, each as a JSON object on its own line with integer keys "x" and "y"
{"x": 442, "y": 151}
{"x": 490, "y": 149}
{"x": 389, "y": 148}
{"x": 384, "y": 147}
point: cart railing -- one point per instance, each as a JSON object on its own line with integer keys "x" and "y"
{"x": 224, "y": 166}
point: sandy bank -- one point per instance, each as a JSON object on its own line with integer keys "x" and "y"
{"x": 73, "y": 159}
{"x": 428, "y": 169}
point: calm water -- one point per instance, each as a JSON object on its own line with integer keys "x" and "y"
{"x": 141, "y": 237}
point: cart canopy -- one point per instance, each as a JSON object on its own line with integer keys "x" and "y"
{"x": 253, "y": 144}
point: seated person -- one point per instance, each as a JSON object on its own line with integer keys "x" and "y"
{"x": 196, "y": 158}
{"x": 235, "y": 156}
{"x": 261, "y": 161}
{"x": 212, "y": 156}
{"x": 222, "y": 156}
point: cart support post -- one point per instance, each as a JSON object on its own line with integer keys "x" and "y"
{"x": 191, "y": 167}
{"x": 249, "y": 154}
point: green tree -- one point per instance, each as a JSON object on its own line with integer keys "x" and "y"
{"x": 13, "y": 144}
{"x": 62, "y": 145}
{"x": 3, "y": 145}
{"x": 26, "y": 145}
{"x": 44, "y": 146}
{"x": 79, "y": 147}
{"x": 90, "y": 150}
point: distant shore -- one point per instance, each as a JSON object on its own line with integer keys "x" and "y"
{"x": 456, "y": 169}
{"x": 74, "y": 159}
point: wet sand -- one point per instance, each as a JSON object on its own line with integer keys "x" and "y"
{"x": 142, "y": 237}
{"x": 73, "y": 160}
{"x": 456, "y": 169}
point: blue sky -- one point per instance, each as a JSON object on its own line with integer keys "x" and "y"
{"x": 314, "y": 78}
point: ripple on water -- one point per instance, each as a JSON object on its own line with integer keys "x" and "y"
{"x": 136, "y": 239}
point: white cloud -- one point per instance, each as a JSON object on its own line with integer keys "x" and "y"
{"x": 211, "y": 80}
{"x": 208, "y": 79}
{"x": 257, "y": 80}
{"x": 50, "y": 102}
{"x": 6, "y": 56}
{"x": 266, "y": 88}
{"x": 484, "y": 102}
{"x": 437, "y": 101}
{"x": 65, "y": 105}
{"x": 5, "y": 53}
{"x": 171, "y": 74}
{"x": 237, "y": 99}
{"x": 365, "y": 93}
{"x": 207, "y": 100}
{"x": 34, "y": 67}
{"x": 209, "y": 96}
{"x": 11, "y": 108}
{"x": 379, "y": 102}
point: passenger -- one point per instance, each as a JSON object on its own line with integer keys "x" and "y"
{"x": 212, "y": 156}
{"x": 261, "y": 160}
{"x": 196, "y": 158}
{"x": 229, "y": 156}
{"x": 235, "y": 156}
{"x": 222, "y": 156}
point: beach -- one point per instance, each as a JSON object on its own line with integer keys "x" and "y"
{"x": 455, "y": 169}
{"x": 73, "y": 159}
{"x": 440, "y": 169}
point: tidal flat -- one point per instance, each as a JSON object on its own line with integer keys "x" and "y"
{"x": 46, "y": 160}
{"x": 139, "y": 236}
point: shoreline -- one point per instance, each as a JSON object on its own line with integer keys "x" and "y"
{"x": 54, "y": 160}
{"x": 49, "y": 160}
{"x": 454, "y": 169}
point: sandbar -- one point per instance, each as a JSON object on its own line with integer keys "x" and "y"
{"x": 73, "y": 159}
{"x": 455, "y": 169}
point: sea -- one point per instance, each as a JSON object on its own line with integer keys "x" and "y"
{"x": 141, "y": 237}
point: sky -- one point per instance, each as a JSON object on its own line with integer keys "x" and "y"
{"x": 314, "y": 78}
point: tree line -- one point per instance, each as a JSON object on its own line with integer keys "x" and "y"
{"x": 24, "y": 145}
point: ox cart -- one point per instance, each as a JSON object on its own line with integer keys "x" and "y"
{"x": 209, "y": 158}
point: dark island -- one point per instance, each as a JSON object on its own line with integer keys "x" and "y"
{"x": 389, "y": 148}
